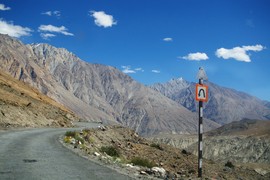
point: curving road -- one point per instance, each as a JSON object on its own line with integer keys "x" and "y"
{"x": 38, "y": 154}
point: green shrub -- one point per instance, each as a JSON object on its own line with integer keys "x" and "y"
{"x": 71, "y": 133}
{"x": 110, "y": 150}
{"x": 142, "y": 162}
{"x": 229, "y": 164}
{"x": 91, "y": 140}
{"x": 78, "y": 138}
{"x": 157, "y": 146}
{"x": 67, "y": 139}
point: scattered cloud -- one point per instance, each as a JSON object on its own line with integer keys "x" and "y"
{"x": 47, "y": 35}
{"x": 139, "y": 69}
{"x": 238, "y": 53}
{"x": 4, "y": 8}
{"x": 13, "y": 30}
{"x": 52, "y": 13}
{"x": 48, "y": 13}
{"x": 198, "y": 56}
{"x": 102, "y": 19}
{"x": 168, "y": 39}
{"x": 53, "y": 29}
{"x": 129, "y": 70}
{"x": 155, "y": 71}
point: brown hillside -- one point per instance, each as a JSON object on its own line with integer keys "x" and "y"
{"x": 23, "y": 106}
{"x": 122, "y": 146}
{"x": 247, "y": 127}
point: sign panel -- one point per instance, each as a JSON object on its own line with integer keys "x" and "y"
{"x": 201, "y": 92}
{"x": 202, "y": 74}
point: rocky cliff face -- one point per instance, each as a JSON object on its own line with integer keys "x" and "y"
{"x": 236, "y": 149}
{"x": 95, "y": 92}
{"x": 246, "y": 141}
{"x": 224, "y": 106}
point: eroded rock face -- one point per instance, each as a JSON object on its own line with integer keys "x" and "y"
{"x": 245, "y": 141}
{"x": 95, "y": 92}
{"x": 236, "y": 149}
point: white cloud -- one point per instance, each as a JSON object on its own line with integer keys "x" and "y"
{"x": 139, "y": 69}
{"x": 129, "y": 70}
{"x": 155, "y": 71}
{"x": 195, "y": 56}
{"x": 4, "y": 8}
{"x": 50, "y": 13}
{"x": 238, "y": 53}
{"x": 54, "y": 29}
{"x": 102, "y": 19}
{"x": 57, "y": 13}
{"x": 168, "y": 39}
{"x": 13, "y": 30}
{"x": 47, "y": 35}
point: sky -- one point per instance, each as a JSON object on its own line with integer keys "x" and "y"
{"x": 155, "y": 40}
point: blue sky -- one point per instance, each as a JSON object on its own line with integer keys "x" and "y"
{"x": 155, "y": 40}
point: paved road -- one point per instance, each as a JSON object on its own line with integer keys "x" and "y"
{"x": 37, "y": 154}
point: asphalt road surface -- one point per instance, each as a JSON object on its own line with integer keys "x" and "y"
{"x": 38, "y": 154}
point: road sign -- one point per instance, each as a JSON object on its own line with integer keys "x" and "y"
{"x": 201, "y": 74}
{"x": 201, "y": 92}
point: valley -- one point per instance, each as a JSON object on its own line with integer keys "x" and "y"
{"x": 42, "y": 86}
{"x": 245, "y": 143}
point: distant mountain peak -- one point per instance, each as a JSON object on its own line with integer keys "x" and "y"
{"x": 224, "y": 106}
{"x": 171, "y": 87}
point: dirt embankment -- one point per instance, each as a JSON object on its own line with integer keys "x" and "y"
{"x": 23, "y": 106}
{"x": 126, "y": 148}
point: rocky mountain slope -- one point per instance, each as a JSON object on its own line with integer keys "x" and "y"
{"x": 224, "y": 106}
{"x": 23, "y": 106}
{"x": 246, "y": 141}
{"x": 123, "y": 150}
{"x": 95, "y": 92}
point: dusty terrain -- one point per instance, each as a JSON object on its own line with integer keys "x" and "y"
{"x": 24, "y": 106}
{"x": 245, "y": 143}
{"x": 177, "y": 163}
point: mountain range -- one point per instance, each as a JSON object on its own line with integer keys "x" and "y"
{"x": 97, "y": 92}
{"x": 225, "y": 105}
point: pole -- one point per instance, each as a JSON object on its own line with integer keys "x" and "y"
{"x": 200, "y": 131}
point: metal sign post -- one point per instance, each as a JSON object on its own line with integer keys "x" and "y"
{"x": 201, "y": 96}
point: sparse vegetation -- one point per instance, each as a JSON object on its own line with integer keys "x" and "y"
{"x": 67, "y": 139}
{"x": 185, "y": 152}
{"x": 70, "y": 133}
{"x": 110, "y": 150}
{"x": 91, "y": 140}
{"x": 118, "y": 146}
{"x": 142, "y": 162}
{"x": 229, "y": 164}
{"x": 73, "y": 134}
{"x": 78, "y": 138}
{"x": 157, "y": 146}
